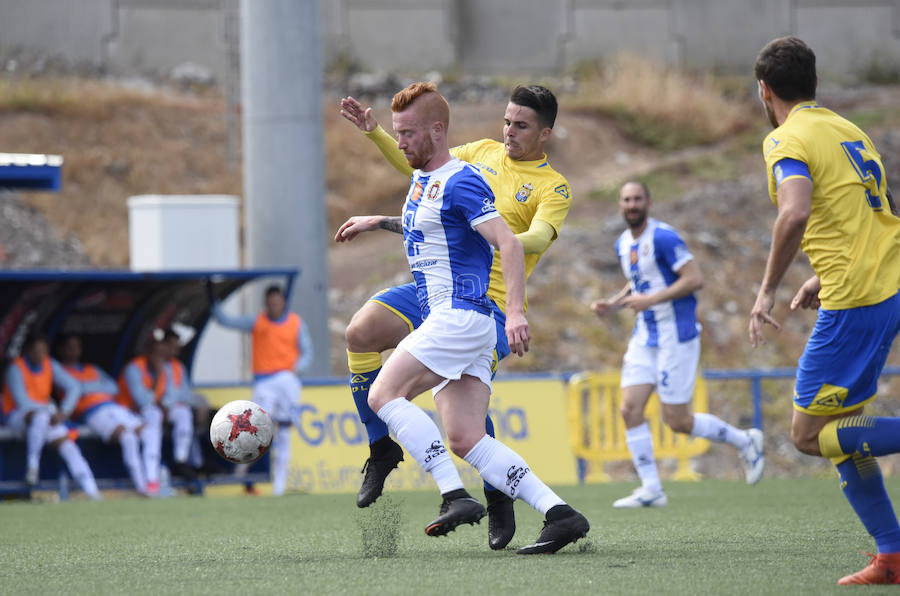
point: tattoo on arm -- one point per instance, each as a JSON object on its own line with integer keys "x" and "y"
{"x": 391, "y": 224}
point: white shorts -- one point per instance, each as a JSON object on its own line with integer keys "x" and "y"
{"x": 105, "y": 419}
{"x": 278, "y": 394}
{"x": 16, "y": 418}
{"x": 454, "y": 342}
{"x": 672, "y": 368}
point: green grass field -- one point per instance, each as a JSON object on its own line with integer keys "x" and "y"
{"x": 784, "y": 536}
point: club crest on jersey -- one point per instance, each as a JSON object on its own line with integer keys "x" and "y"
{"x": 416, "y": 193}
{"x": 524, "y": 192}
{"x": 434, "y": 190}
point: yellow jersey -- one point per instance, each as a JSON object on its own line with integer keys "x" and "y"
{"x": 523, "y": 191}
{"x": 852, "y": 239}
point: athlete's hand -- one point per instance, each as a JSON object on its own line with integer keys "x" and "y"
{"x": 362, "y": 117}
{"x": 808, "y": 294}
{"x": 356, "y": 225}
{"x": 637, "y": 302}
{"x": 761, "y": 316}
{"x": 517, "y": 333}
{"x": 605, "y": 306}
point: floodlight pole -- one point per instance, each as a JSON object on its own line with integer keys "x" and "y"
{"x": 284, "y": 165}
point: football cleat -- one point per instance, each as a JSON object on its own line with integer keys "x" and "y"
{"x": 563, "y": 526}
{"x": 456, "y": 510}
{"x": 752, "y": 456}
{"x": 31, "y": 477}
{"x": 384, "y": 456}
{"x": 882, "y": 569}
{"x": 501, "y": 519}
{"x": 642, "y": 497}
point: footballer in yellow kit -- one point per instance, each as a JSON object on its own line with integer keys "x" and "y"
{"x": 524, "y": 191}
{"x": 833, "y": 203}
{"x": 853, "y": 243}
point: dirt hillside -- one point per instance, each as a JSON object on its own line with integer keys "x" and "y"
{"x": 120, "y": 141}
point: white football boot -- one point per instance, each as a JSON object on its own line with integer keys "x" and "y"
{"x": 752, "y": 456}
{"x": 642, "y": 497}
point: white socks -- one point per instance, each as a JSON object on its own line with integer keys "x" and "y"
{"x": 79, "y": 468}
{"x": 281, "y": 447}
{"x": 35, "y": 437}
{"x": 640, "y": 444}
{"x": 507, "y": 471}
{"x": 182, "y": 420}
{"x": 132, "y": 457}
{"x": 711, "y": 427}
{"x": 151, "y": 442}
{"x": 421, "y": 438}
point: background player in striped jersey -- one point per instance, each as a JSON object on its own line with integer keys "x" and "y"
{"x": 664, "y": 349}
{"x": 533, "y": 200}
{"x": 828, "y": 181}
{"x": 449, "y": 228}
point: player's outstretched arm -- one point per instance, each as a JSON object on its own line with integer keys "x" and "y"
{"x": 501, "y": 237}
{"x": 358, "y": 224}
{"x": 604, "y": 306}
{"x": 360, "y": 116}
{"x": 363, "y": 119}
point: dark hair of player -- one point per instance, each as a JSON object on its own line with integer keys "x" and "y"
{"x": 274, "y": 289}
{"x": 538, "y": 98}
{"x": 788, "y": 66}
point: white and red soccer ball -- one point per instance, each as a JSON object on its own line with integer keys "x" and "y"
{"x": 241, "y": 432}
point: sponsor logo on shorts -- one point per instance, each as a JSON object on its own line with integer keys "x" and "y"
{"x": 436, "y": 449}
{"x": 514, "y": 476}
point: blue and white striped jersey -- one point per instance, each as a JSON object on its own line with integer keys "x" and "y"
{"x": 650, "y": 262}
{"x": 450, "y": 261}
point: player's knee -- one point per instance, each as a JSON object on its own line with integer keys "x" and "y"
{"x": 805, "y": 442}
{"x": 377, "y": 398}
{"x": 362, "y": 337}
{"x": 631, "y": 414}
{"x": 679, "y": 423}
{"x": 460, "y": 442}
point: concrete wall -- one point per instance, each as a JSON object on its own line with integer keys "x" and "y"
{"x": 478, "y": 36}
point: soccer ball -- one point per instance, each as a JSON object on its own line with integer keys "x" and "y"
{"x": 241, "y": 432}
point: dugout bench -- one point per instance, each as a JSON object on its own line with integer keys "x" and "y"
{"x": 113, "y": 312}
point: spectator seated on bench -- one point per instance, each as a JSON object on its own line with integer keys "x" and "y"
{"x": 27, "y": 408}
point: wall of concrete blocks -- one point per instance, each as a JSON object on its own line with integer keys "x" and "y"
{"x": 475, "y": 36}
